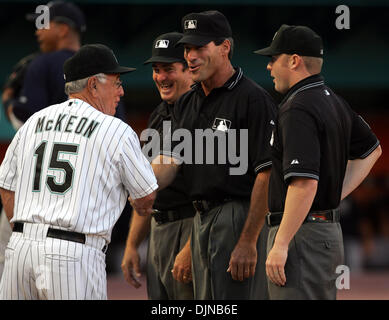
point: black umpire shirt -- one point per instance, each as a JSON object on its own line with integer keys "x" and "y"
{"x": 174, "y": 195}
{"x": 316, "y": 133}
{"x": 239, "y": 105}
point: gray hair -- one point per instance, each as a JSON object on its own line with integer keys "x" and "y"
{"x": 79, "y": 85}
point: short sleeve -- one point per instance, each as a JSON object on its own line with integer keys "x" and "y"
{"x": 261, "y": 119}
{"x": 8, "y": 168}
{"x": 300, "y": 140}
{"x": 136, "y": 172}
{"x": 363, "y": 140}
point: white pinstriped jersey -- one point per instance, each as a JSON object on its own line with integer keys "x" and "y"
{"x": 73, "y": 167}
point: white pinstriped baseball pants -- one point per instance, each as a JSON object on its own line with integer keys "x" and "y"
{"x": 38, "y": 267}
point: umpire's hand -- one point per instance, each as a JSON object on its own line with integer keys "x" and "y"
{"x": 182, "y": 269}
{"x": 243, "y": 260}
{"x": 131, "y": 266}
{"x": 275, "y": 265}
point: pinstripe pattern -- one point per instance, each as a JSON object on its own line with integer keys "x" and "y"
{"x": 107, "y": 167}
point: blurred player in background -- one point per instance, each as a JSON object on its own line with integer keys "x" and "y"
{"x": 37, "y": 79}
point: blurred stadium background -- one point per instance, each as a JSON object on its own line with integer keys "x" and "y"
{"x": 356, "y": 66}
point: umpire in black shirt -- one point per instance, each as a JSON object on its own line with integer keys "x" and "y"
{"x": 168, "y": 257}
{"x": 321, "y": 151}
{"x": 225, "y": 103}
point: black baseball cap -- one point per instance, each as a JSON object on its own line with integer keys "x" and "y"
{"x": 92, "y": 59}
{"x": 204, "y": 27}
{"x": 63, "y": 12}
{"x": 299, "y": 40}
{"x": 164, "y": 49}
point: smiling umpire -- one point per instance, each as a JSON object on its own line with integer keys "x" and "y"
{"x": 322, "y": 150}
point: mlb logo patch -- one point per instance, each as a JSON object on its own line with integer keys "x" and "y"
{"x": 221, "y": 124}
{"x": 190, "y": 24}
{"x": 162, "y": 44}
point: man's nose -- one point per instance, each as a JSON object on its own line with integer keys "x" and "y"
{"x": 161, "y": 76}
{"x": 121, "y": 91}
{"x": 190, "y": 54}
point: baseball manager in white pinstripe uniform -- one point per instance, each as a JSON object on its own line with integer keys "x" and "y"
{"x": 65, "y": 180}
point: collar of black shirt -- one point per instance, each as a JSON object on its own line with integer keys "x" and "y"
{"x": 307, "y": 82}
{"x": 164, "y": 109}
{"x": 229, "y": 85}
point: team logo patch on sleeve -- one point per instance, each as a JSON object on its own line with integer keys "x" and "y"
{"x": 221, "y": 124}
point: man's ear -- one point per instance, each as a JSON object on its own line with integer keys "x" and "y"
{"x": 63, "y": 29}
{"x": 226, "y": 47}
{"x": 294, "y": 61}
{"x": 92, "y": 85}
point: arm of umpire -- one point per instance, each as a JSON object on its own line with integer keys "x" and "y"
{"x": 357, "y": 170}
{"x": 139, "y": 229}
{"x": 8, "y": 200}
{"x": 299, "y": 199}
{"x": 244, "y": 256}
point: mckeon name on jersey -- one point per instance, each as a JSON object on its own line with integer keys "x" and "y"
{"x": 78, "y": 165}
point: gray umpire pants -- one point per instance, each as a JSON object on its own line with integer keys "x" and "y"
{"x": 214, "y": 236}
{"x": 313, "y": 256}
{"x": 165, "y": 242}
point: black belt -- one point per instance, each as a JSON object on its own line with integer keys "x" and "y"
{"x": 164, "y": 216}
{"x": 326, "y": 216}
{"x": 203, "y": 206}
{"x": 59, "y": 234}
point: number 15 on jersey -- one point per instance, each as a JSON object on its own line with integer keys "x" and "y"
{"x": 54, "y": 164}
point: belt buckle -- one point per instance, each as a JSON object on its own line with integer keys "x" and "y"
{"x": 157, "y": 214}
{"x": 268, "y": 219}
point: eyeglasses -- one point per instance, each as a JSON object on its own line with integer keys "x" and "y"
{"x": 117, "y": 84}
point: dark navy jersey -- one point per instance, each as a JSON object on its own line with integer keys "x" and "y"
{"x": 44, "y": 85}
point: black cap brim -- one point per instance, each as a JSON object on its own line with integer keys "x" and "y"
{"x": 268, "y": 52}
{"x": 120, "y": 69}
{"x": 195, "y": 40}
{"x": 163, "y": 59}
{"x": 31, "y": 16}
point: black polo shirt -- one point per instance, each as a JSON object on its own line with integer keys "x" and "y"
{"x": 242, "y": 114}
{"x": 316, "y": 134}
{"x": 174, "y": 195}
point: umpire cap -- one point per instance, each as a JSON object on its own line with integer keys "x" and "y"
{"x": 64, "y": 12}
{"x": 201, "y": 28}
{"x": 164, "y": 49}
{"x": 92, "y": 59}
{"x": 299, "y": 40}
